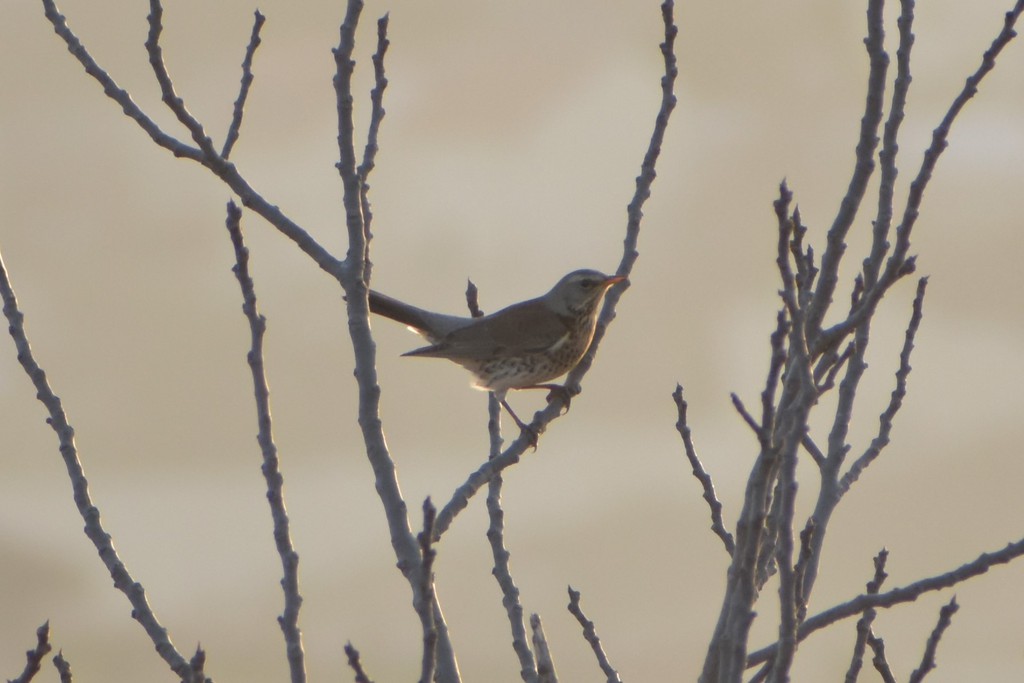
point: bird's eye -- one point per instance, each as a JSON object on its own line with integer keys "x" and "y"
{"x": 586, "y": 284}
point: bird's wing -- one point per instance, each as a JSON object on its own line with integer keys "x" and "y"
{"x": 514, "y": 331}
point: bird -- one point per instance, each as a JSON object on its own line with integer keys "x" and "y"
{"x": 523, "y": 346}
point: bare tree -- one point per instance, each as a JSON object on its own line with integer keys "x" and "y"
{"x": 816, "y": 350}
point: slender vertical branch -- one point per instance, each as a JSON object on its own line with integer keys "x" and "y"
{"x": 354, "y": 279}
{"x": 545, "y": 665}
{"x": 477, "y": 479}
{"x": 243, "y": 92}
{"x": 634, "y": 211}
{"x": 171, "y": 98}
{"x": 289, "y": 620}
{"x": 890, "y": 146}
{"x": 863, "y": 168}
{"x": 425, "y": 605}
{"x": 864, "y": 623}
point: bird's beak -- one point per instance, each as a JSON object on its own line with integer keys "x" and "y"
{"x": 614, "y": 280}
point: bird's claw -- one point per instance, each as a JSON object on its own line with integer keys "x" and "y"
{"x": 562, "y": 392}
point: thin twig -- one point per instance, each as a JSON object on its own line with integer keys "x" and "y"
{"x": 63, "y": 668}
{"x": 812, "y": 449}
{"x": 496, "y": 533}
{"x": 208, "y": 157}
{"x": 928, "y": 658}
{"x": 496, "y": 529}
{"x": 896, "y": 400}
{"x": 197, "y": 666}
{"x": 112, "y": 90}
{"x": 590, "y": 634}
{"x": 425, "y": 605}
{"x": 717, "y": 525}
{"x": 866, "y": 619}
{"x": 171, "y": 98}
{"x": 899, "y": 263}
{"x": 866, "y": 143}
{"x": 58, "y": 421}
{"x": 289, "y": 620}
{"x": 370, "y": 151}
{"x": 634, "y": 211}
{"x": 771, "y": 385}
{"x": 737, "y": 403}
{"x": 545, "y": 665}
{"x": 897, "y": 596}
{"x": 353, "y": 661}
{"x": 243, "y": 92}
{"x": 879, "y": 661}
{"x": 512, "y": 454}
{"x": 34, "y": 657}
{"x": 800, "y": 570}
{"x": 890, "y": 147}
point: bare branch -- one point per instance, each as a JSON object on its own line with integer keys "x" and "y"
{"x": 34, "y": 657}
{"x": 545, "y": 665}
{"x": 243, "y": 91}
{"x": 897, "y": 596}
{"x": 426, "y": 605}
{"x": 58, "y": 421}
{"x": 890, "y": 147}
{"x": 864, "y": 623}
{"x": 289, "y": 620}
{"x": 928, "y": 659}
{"x": 496, "y": 537}
{"x": 476, "y": 480}
{"x": 496, "y": 529}
{"x": 63, "y": 667}
{"x": 112, "y": 90}
{"x": 879, "y": 661}
{"x": 895, "y": 402}
{"x": 771, "y": 385}
{"x": 899, "y": 263}
{"x": 175, "y": 103}
{"x": 590, "y": 634}
{"x": 197, "y": 667}
{"x": 355, "y": 665}
{"x": 225, "y": 170}
{"x": 863, "y": 168}
{"x": 634, "y": 211}
{"x": 376, "y": 101}
{"x": 737, "y": 403}
{"x": 812, "y": 449}
{"x": 370, "y": 151}
{"x": 800, "y": 570}
{"x": 717, "y": 525}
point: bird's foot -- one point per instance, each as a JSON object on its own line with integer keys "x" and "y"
{"x": 559, "y": 391}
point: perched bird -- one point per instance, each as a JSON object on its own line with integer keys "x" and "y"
{"x": 523, "y": 346}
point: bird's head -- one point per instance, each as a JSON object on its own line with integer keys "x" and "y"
{"x": 580, "y": 290}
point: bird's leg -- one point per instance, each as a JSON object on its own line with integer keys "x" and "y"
{"x": 523, "y": 427}
{"x": 559, "y": 390}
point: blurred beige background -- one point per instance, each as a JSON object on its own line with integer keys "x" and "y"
{"x": 513, "y": 135}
